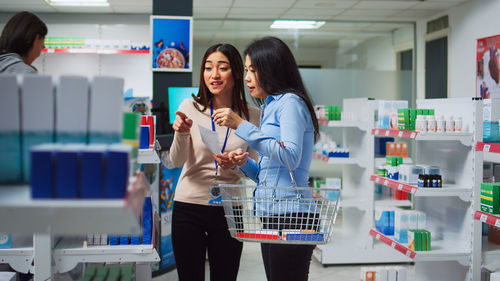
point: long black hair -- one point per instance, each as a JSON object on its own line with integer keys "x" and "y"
{"x": 278, "y": 72}
{"x": 20, "y": 33}
{"x": 204, "y": 95}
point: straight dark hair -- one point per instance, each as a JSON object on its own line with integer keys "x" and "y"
{"x": 278, "y": 72}
{"x": 204, "y": 95}
{"x": 20, "y": 33}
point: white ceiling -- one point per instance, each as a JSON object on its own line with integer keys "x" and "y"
{"x": 244, "y": 20}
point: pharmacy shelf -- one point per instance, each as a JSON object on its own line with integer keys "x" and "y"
{"x": 447, "y": 189}
{"x": 20, "y": 259}
{"x": 339, "y": 160}
{"x": 70, "y": 251}
{"x": 147, "y": 156}
{"x": 440, "y": 251}
{"x": 491, "y": 151}
{"x": 344, "y": 124}
{"x": 490, "y": 251}
{"x": 94, "y": 51}
{"x": 393, "y": 203}
{"x": 71, "y": 217}
{"x": 381, "y": 161}
{"x": 487, "y": 218}
{"x": 464, "y": 138}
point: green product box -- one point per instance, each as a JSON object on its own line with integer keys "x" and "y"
{"x": 490, "y": 195}
{"x": 425, "y": 111}
{"x": 391, "y": 161}
{"x": 418, "y": 240}
{"x": 413, "y": 117}
{"x": 431, "y": 111}
{"x": 420, "y": 112}
{"x": 428, "y": 240}
{"x": 404, "y": 118}
{"x": 337, "y": 116}
{"x": 89, "y": 273}
{"x": 400, "y": 160}
{"x": 382, "y": 172}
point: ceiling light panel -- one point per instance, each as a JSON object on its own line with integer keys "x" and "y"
{"x": 297, "y": 24}
{"x": 79, "y": 3}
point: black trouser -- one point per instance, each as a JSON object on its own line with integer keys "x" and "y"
{"x": 288, "y": 261}
{"x": 196, "y": 228}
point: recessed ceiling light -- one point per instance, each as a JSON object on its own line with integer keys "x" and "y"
{"x": 79, "y": 3}
{"x": 297, "y": 24}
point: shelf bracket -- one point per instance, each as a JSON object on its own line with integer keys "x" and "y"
{"x": 20, "y": 263}
{"x": 465, "y": 260}
{"x": 466, "y": 197}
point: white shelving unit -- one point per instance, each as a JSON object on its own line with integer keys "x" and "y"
{"x": 489, "y": 252}
{"x": 456, "y": 239}
{"x": 19, "y": 214}
{"x": 147, "y": 156}
{"x": 350, "y": 242}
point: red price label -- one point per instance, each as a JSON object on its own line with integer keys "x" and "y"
{"x": 393, "y": 245}
{"x": 377, "y": 236}
{"x": 487, "y": 147}
{"x": 412, "y": 135}
{"x": 387, "y": 133}
{"x": 408, "y": 253}
{"x": 386, "y": 182}
{"x": 400, "y": 187}
{"x": 413, "y": 190}
{"x": 400, "y": 134}
{"x": 377, "y": 180}
{"x": 376, "y": 132}
{"x": 497, "y": 223}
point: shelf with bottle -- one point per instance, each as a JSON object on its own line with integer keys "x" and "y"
{"x": 92, "y": 51}
{"x": 446, "y": 190}
{"x": 463, "y": 137}
{"x": 71, "y": 216}
{"x": 441, "y": 251}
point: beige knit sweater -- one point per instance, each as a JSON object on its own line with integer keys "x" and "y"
{"x": 189, "y": 150}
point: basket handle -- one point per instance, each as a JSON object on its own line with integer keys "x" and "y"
{"x": 264, "y": 181}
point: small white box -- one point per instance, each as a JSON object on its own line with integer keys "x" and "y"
{"x": 72, "y": 109}
{"x": 421, "y": 220}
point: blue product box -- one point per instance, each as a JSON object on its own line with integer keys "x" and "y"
{"x": 42, "y": 171}
{"x": 147, "y": 221}
{"x": 117, "y": 168}
{"x": 384, "y": 222}
{"x": 305, "y": 237}
{"x": 144, "y": 139}
{"x": 113, "y": 239}
{"x": 5, "y": 241}
{"x": 67, "y": 171}
{"x": 10, "y": 132}
{"x": 135, "y": 240}
{"x": 92, "y": 171}
{"x": 124, "y": 240}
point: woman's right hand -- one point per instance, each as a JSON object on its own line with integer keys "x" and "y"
{"x": 238, "y": 157}
{"x": 182, "y": 124}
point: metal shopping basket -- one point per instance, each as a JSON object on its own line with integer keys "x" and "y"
{"x": 288, "y": 215}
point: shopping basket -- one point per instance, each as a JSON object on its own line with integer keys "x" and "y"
{"x": 287, "y": 215}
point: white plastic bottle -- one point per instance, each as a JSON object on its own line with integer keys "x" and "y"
{"x": 450, "y": 124}
{"x": 440, "y": 124}
{"x": 421, "y": 123}
{"x": 431, "y": 123}
{"x": 458, "y": 124}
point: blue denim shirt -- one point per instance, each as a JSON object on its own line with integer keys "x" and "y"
{"x": 285, "y": 117}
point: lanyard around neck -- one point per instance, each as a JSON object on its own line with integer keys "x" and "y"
{"x": 213, "y": 129}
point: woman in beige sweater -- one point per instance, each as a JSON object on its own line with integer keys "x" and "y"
{"x": 198, "y": 223}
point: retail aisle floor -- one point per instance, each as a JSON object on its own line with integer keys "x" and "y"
{"x": 252, "y": 269}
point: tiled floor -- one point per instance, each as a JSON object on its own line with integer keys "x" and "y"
{"x": 252, "y": 269}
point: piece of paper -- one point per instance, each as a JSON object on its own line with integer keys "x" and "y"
{"x": 210, "y": 139}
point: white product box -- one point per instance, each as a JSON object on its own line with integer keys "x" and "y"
{"x": 412, "y": 220}
{"x": 409, "y": 173}
{"x": 495, "y": 276}
{"x": 392, "y": 274}
{"x": 10, "y": 130}
{"x": 491, "y": 110}
{"x": 37, "y": 110}
{"x": 401, "y": 223}
{"x": 382, "y": 274}
{"x": 402, "y": 273}
{"x": 72, "y": 109}
{"x": 421, "y": 220}
{"x": 106, "y": 114}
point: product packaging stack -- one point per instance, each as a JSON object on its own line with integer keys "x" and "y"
{"x": 384, "y": 273}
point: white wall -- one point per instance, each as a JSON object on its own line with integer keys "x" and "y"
{"x": 468, "y": 22}
{"x": 373, "y": 54}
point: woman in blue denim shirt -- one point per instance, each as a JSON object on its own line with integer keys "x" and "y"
{"x": 287, "y": 119}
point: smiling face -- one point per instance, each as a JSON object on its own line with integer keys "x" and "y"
{"x": 251, "y": 77}
{"x": 218, "y": 75}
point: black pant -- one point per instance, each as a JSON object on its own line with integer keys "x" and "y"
{"x": 286, "y": 262}
{"x": 196, "y": 228}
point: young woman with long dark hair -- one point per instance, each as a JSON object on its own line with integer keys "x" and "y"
{"x": 287, "y": 133}
{"x": 21, "y": 42}
{"x": 197, "y": 225}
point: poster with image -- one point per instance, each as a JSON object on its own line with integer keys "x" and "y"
{"x": 172, "y": 43}
{"x": 488, "y": 67}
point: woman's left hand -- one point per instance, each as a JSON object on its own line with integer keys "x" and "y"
{"x": 227, "y": 117}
